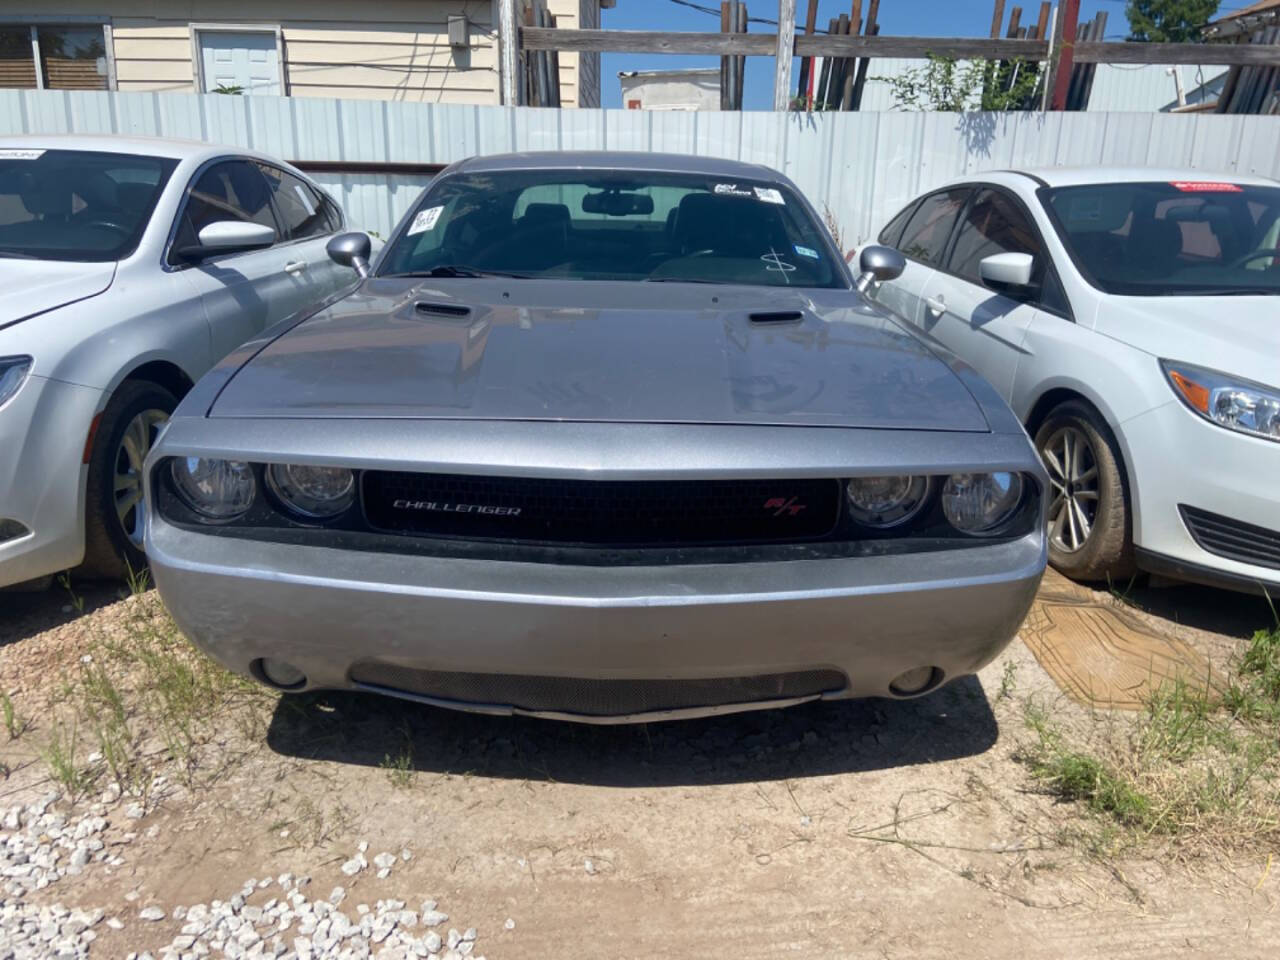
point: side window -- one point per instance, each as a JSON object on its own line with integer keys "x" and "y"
{"x": 229, "y": 190}
{"x": 927, "y": 231}
{"x": 890, "y": 235}
{"x": 302, "y": 213}
{"x": 333, "y": 214}
{"x": 993, "y": 224}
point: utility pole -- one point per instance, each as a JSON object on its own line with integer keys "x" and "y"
{"x": 508, "y": 52}
{"x": 786, "y": 47}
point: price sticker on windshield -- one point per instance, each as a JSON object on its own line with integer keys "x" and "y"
{"x": 424, "y": 221}
{"x": 1204, "y": 186}
{"x": 12, "y": 153}
{"x": 770, "y": 195}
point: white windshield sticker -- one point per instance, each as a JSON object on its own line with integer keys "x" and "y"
{"x": 731, "y": 190}
{"x": 809, "y": 252}
{"x": 12, "y": 153}
{"x": 425, "y": 220}
{"x": 305, "y": 198}
{"x": 769, "y": 195}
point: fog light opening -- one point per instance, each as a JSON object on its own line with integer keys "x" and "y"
{"x": 913, "y": 682}
{"x": 279, "y": 674}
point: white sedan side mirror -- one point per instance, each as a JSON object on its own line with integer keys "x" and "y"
{"x": 227, "y": 236}
{"x": 235, "y": 235}
{"x": 1007, "y": 272}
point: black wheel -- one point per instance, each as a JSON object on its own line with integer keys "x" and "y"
{"x": 114, "y": 505}
{"x": 1090, "y": 527}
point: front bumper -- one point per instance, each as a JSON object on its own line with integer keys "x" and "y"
{"x": 327, "y": 611}
{"x": 42, "y": 436}
{"x": 1179, "y": 459}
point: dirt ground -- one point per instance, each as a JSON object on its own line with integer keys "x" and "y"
{"x": 870, "y": 828}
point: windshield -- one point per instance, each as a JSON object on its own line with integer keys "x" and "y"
{"x": 1172, "y": 239}
{"x": 614, "y": 225}
{"x": 75, "y": 204}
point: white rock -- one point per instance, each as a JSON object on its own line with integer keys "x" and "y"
{"x": 151, "y": 913}
{"x": 510, "y": 924}
{"x": 352, "y": 867}
{"x": 134, "y": 811}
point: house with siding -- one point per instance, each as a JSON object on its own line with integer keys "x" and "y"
{"x": 432, "y": 51}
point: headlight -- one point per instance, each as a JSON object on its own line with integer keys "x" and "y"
{"x": 13, "y": 371}
{"x": 1230, "y": 402}
{"x": 217, "y": 489}
{"x": 885, "y": 502}
{"x": 316, "y": 492}
{"x": 981, "y": 503}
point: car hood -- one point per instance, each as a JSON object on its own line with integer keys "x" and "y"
{"x": 595, "y": 351}
{"x": 1236, "y": 335}
{"x": 32, "y": 287}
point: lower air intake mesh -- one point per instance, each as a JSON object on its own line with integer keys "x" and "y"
{"x": 601, "y": 698}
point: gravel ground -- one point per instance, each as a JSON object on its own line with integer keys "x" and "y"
{"x": 350, "y": 826}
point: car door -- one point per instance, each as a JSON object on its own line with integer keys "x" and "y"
{"x": 308, "y": 219}
{"x": 923, "y": 242}
{"x": 242, "y": 293}
{"x": 986, "y": 328}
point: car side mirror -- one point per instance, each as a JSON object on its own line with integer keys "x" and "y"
{"x": 1008, "y": 273}
{"x": 879, "y": 264}
{"x": 351, "y": 250}
{"x": 228, "y": 236}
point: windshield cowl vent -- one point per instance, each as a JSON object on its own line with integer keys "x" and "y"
{"x": 441, "y": 309}
{"x": 777, "y": 316}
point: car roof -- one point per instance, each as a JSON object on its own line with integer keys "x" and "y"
{"x": 144, "y": 146}
{"x": 618, "y": 160}
{"x": 1079, "y": 176}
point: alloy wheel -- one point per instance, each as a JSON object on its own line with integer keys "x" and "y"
{"x": 1073, "y": 477}
{"x": 136, "y": 443}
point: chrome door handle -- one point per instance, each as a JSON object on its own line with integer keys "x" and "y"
{"x": 936, "y": 305}
{"x": 295, "y": 266}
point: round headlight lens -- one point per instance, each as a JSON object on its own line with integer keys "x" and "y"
{"x": 886, "y": 501}
{"x": 216, "y": 489}
{"x": 980, "y": 503}
{"x": 315, "y": 492}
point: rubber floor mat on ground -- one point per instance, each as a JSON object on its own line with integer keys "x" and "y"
{"x": 1101, "y": 655}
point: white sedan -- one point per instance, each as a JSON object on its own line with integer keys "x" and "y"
{"x": 1132, "y": 320}
{"x": 128, "y": 267}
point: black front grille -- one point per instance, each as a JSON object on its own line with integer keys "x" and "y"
{"x": 1233, "y": 539}
{"x": 599, "y": 698}
{"x": 603, "y": 512}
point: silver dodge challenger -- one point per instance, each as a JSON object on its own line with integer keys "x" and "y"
{"x": 599, "y": 437}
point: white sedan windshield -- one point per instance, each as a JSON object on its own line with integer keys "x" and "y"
{"x": 76, "y": 204}
{"x": 1185, "y": 238}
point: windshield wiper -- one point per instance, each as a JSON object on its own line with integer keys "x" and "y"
{"x": 456, "y": 271}
{"x": 719, "y": 283}
{"x": 1235, "y": 291}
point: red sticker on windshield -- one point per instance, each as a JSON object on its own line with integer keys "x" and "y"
{"x": 1199, "y": 186}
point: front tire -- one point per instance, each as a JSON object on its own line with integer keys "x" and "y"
{"x": 114, "y": 505}
{"x": 1090, "y": 525}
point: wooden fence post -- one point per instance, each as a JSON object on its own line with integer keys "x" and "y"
{"x": 786, "y": 46}
{"x": 1064, "y": 43}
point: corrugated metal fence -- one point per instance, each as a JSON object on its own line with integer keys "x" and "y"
{"x": 861, "y": 166}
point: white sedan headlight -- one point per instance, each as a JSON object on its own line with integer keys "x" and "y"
{"x": 1240, "y": 405}
{"x": 13, "y": 371}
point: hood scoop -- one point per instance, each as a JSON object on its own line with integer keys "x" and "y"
{"x": 777, "y": 316}
{"x": 441, "y": 309}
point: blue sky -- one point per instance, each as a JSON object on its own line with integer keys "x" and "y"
{"x": 928, "y": 18}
